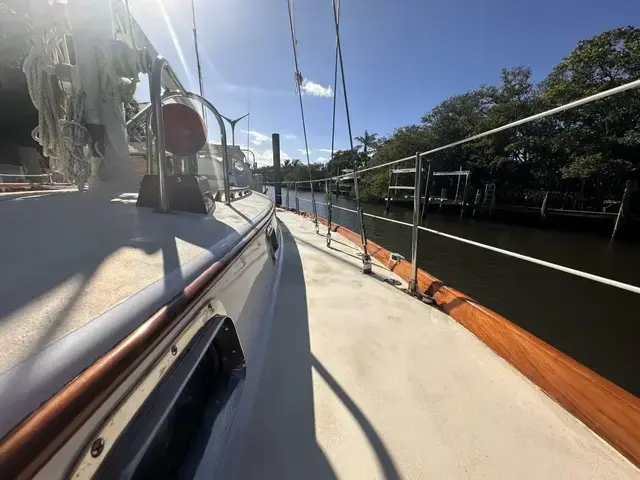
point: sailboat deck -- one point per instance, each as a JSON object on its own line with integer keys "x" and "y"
{"x": 67, "y": 257}
{"x": 363, "y": 381}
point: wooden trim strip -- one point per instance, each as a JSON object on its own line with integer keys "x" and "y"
{"x": 608, "y": 410}
{"x": 27, "y": 448}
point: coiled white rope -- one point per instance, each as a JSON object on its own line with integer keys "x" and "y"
{"x": 61, "y": 129}
{"x": 38, "y": 68}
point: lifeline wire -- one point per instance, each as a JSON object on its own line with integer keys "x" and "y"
{"x": 333, "y": 126}
{"x": 298, "y": 80}
{"x": 363, "y": 234}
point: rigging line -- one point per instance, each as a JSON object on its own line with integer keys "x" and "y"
{"x": 131, "y": 30}
{"x": 344, "y": 83}
{"x": 298, "y": 80}
{"x": 363, "y": 235}
{"x": 333, "y": 134}
{"x": 335, "y": 94}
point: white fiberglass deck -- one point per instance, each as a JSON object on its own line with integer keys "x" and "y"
{"x": 67, "y": 257}
{"x": 362, "y": 381}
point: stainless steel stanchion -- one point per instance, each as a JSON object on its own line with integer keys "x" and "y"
{"x": 413, "y": 283}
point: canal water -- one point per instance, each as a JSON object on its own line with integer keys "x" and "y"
{"x": 596, "y": 324}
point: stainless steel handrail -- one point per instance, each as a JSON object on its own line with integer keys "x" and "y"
{"x": 254, "y": 156}
{"x": 155, "y": 91}
{"x": 561, "y": 268}
{"x": 137, "y": 118}
{"x": 149, "y": 143}
{"x": 223, "y": 135}
{"x": 413, "y": 283}
{"x": 418, "y": 160}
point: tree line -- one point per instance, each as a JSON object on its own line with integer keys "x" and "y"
{"x": 294, "y": 170}
{"x": 584, "y": 155}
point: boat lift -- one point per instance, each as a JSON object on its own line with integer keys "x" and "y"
{"x": 427, "y": 199}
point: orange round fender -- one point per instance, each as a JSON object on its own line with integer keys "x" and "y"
{"x": 184, "y": 130}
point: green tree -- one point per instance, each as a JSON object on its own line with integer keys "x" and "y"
{"x": 404, "y": 142}
{"x": 368, "y": 143}
{"x": 341, "y": 159}
{"x": 600, "y": 140}
{"x": 458, "y": 117}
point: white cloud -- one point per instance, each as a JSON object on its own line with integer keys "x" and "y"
{"x": 257, "y": 138}
{"x": 265, "y": 157}
{"x": 248, "y": 89}
{"x": 322, "y": 159}
{"x": 316, "y": 90}
{"x": 303, "y": 151}
{"x": 325, "y": 150}
{"x": 290, "y": 136}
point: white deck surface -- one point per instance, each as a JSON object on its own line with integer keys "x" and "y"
{"x": 361, "y": 381}
{"x": 67, "y": 257}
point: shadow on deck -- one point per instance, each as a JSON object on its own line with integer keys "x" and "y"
{"x": 281, "y": 441}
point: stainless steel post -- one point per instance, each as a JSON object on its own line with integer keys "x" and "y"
{"x": 464, "y": 194}
{"x": 623, "y": 208}
{"x": 314, "y": 207}
{"x": 288, "y": 188}
{"x": 386, "y": 207}
{"x": 155, "y": 93}
{"x": 149, "y": 143}
{"x": 255, "y": 164}
{"x": 295, "y": 186}
{"x": 155, "y": 90}
{"x": 413, "y": 283}
{"x": 356, "y": 188}
{"x": 329, "y": 213}
{"x": 425, "y": 202}
{"x": 223, "y": 131}
{"x": 476, "y": 201}
{"x": 458, "y": 187}
{"x": 366, "y": 259}
{"x": 277, "y": 177}
{"x": 545, "y": 203}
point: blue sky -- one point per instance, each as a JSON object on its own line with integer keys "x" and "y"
{"x": 401, "y": 57}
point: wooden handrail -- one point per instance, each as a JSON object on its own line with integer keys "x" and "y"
{"x": 27, "y": 448}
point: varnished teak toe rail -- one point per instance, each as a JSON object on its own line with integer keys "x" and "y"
{"x": 610, "y": 411}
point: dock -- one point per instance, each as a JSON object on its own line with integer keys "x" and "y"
{"x": 361, "y": 380}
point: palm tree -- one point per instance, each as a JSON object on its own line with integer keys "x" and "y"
{"x": 286, "y": 163}
{"x": 368, "y": 142}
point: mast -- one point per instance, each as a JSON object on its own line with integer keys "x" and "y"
{"x": 249, "y": 121}
{"x": 195, "y": 43}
